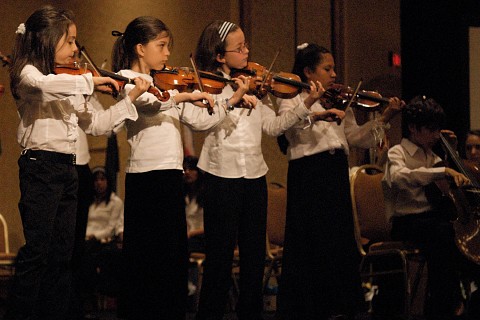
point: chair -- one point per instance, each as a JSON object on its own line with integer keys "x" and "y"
{"x": 276, "y": 213}
{"x": 7, "y": 259}
{"x": 383, "y": 258}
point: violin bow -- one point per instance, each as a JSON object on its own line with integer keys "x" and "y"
{"x": 269, "y": 71}
{"x": 354, "y": 95}
{"x": 83, "y": 52}
{"x": 200, "y": 84}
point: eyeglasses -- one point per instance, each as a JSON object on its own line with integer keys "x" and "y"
{"x": 242, "y": 49}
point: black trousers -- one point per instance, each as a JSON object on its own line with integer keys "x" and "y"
{"x": 320, "y": 274}
{"x": 85, "y": 198}
{"x": 48, "y": 203}
{"x": 235, "y": 209}
{"x": 100, "y": 270}
{"x": 154, "y": 247}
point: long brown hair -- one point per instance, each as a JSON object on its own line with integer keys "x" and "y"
{"x": 140, "y": 30}
{"x": 210, "y": 45}
{"x": 36, "y": 45}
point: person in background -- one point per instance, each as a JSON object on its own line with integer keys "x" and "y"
{"x": 411, "y": 168}
{"x": 194, "y": 190}
{"x": 51, "y": 108}
{"x": 104, "y": 234}
{"x": 320, "y": 277}
{"x": 472, "y": 146}
{"x": 194, "y": 200}
{"x": 101, "y": 261}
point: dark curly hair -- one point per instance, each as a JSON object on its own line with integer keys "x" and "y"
{"x": 422, "y": 112}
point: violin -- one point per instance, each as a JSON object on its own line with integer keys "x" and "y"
{"x": 287, "y": 85}
{"x": 183, "y": 79}
{"x": 282, "y": 85}
{"x": 339, "y": 96}
{"x": 76, "y": 69}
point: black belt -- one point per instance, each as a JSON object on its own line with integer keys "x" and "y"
{"x": 50, "y": 156}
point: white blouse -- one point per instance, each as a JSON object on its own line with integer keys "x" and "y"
{"x": 51, "y": 107}
{"x": 105, "y": 220}
{"x": 155, "y": 137}
{"x": 305, "y": 139}
{"x": 81, "y": 145}
{"x": 233, "y": 149}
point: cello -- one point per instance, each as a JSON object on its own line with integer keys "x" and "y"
{"x": 466, "y": 204}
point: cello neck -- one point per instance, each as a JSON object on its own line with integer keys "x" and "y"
{"x": 457, "y": 161}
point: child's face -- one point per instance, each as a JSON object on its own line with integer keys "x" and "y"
{"x": 156, "y": 52}
{"x": 324, "y": 72}
{"x": 236, "y": 55}
{"x": 424, "y": 137}
{"x": 191, "y": 175}
{"x": 472, "y": 146}
{"x": 100, "y": 184}
{"x": 66, "y": 47}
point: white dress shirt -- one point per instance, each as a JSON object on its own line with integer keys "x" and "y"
{"x": 81, "y": 145}
{"x": 155, "y": 137}
{"x": 305, "y": 139}
{"x": 233, "y": 149}
{"x": 51, "y": 107}
{"x": 408, "y": 170}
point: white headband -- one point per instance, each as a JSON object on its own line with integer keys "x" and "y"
{"x": 224, "y": 29}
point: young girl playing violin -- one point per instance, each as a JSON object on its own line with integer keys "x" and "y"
{"x": 236, "y": 197}
{"x": 51, "y": 107}
{"x": 320, "y": 268}
{"x": 155, "y": 236}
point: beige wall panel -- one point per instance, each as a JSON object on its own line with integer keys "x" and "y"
{"x": 314, "y": 22}
{"x": 372, "y": 29}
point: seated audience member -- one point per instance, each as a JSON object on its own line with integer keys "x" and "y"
{"x": 472, "y": 146}
{"x": 193, "y": 188}
{"x": 193, "y": 180}
{"x": 410, "y": 168}
{"x": 102, "y": 259}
